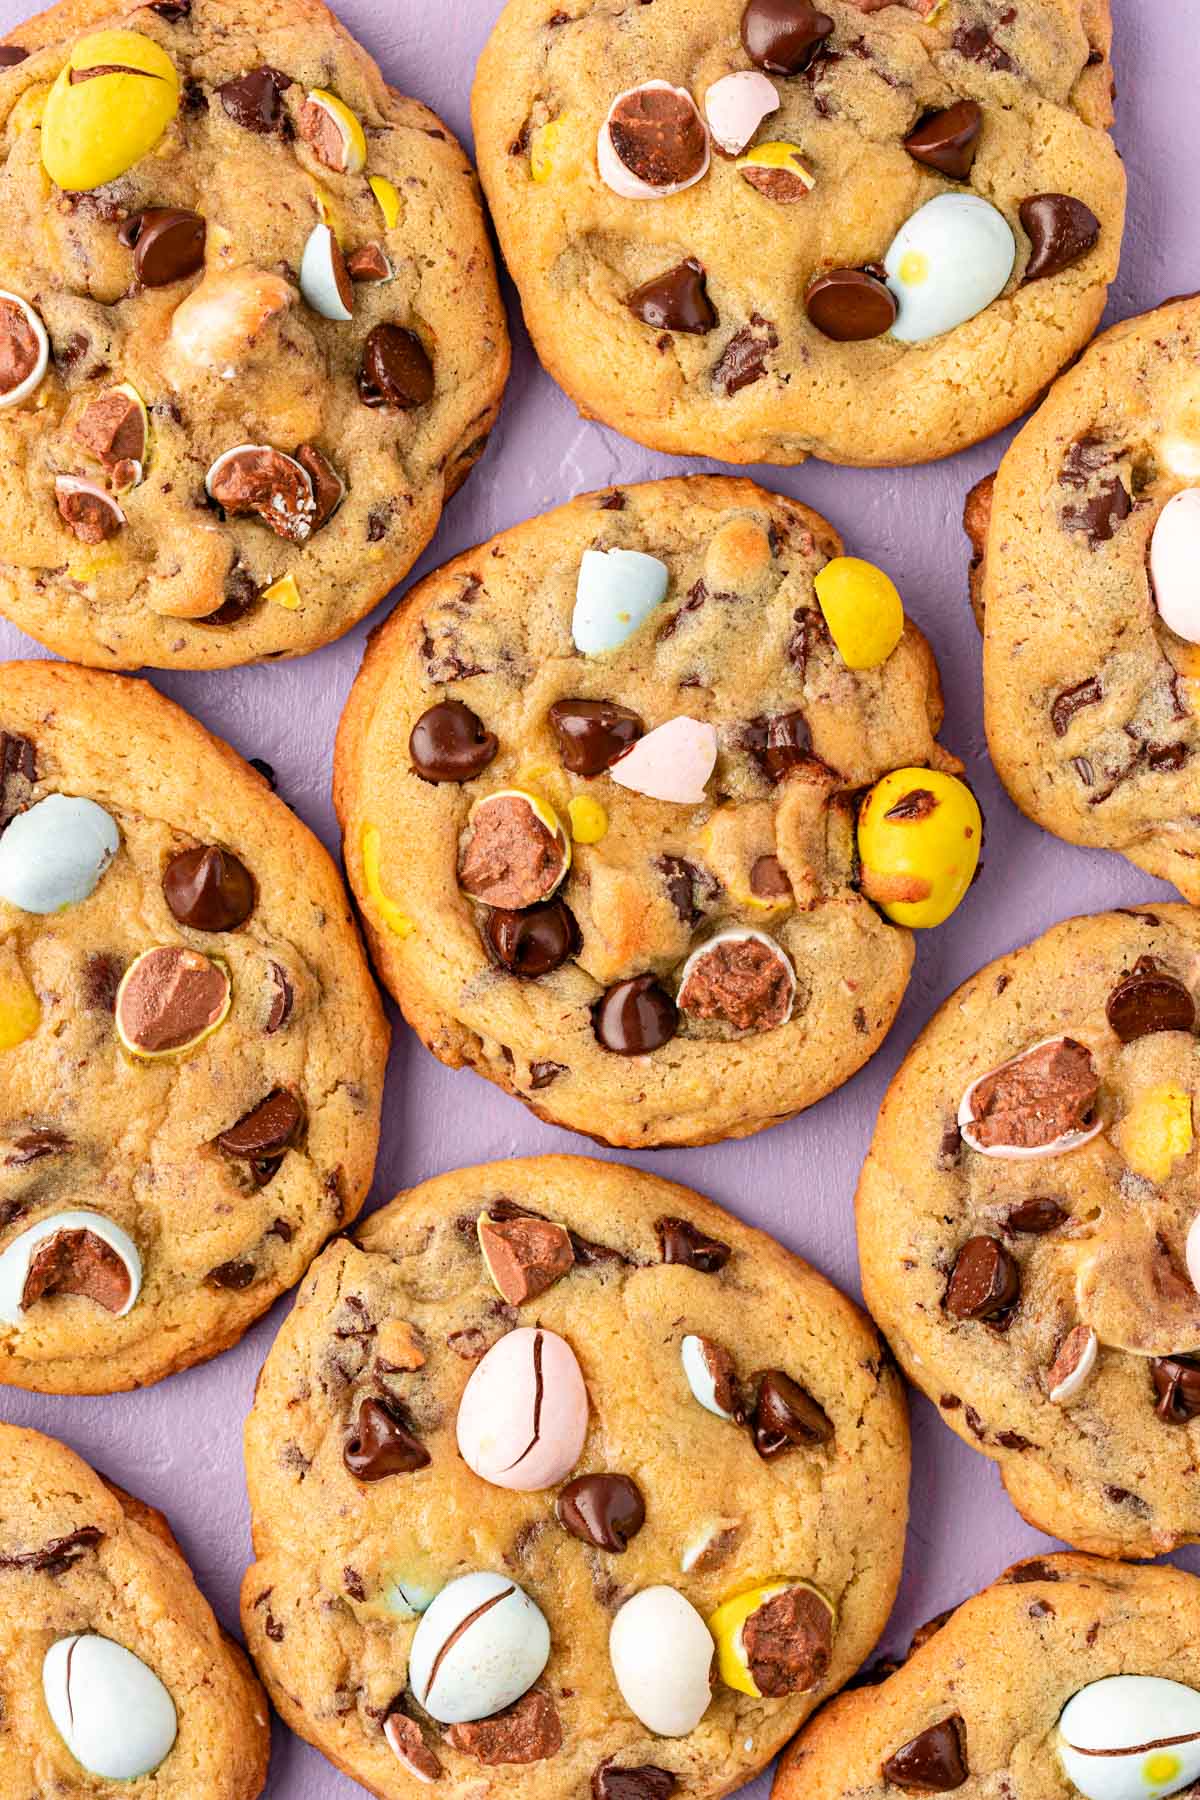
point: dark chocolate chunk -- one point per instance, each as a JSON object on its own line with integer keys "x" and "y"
{"x": 977, "y": 43}
{"x": 1104, "y": 499}
{"x": 681, "y": 1242}
{"x": 11, "y": 55}
{"x": 948, "y": 140}
{"x": 382, "y": 1445}
{"x": 635, "y": 1017}
{"x": 782, "y": 36}
{"x": 851, "y": 305}
{"x": 1036, "y": 1217}
{"x": 267, "y": 1130}
{"x": 643, "y": 1783}
{"x": 1177, "y": 1387}
{"x": 744, "y": 358}
{"x": 986, "y": 1282}
{"x": 604, "y": 1510}
{"x": 209, "y": 889}
{"x": 1073, "y": 700}
{"x": 167, "y": 244}
{"x": 676, "y": 301}
{"x": 786, "y": 1417}
{"x": 236, "y": 1277}
{"x": 541, "y": 1074}
{"x": 778, "y": 744}
{"x": 690, "y": 888}
{"x": 255, "y": 100}
{"x": 534, "y": 942}
{"x": 592, "y": 734}
{"x": 57, "y": 1556}
{"x": 1060, "y": 229}
{"x": 1147, "y": 1001}
{"x": 932, "y": 1763}
{"x": 396, "y": 370}
{"x": 449, "y": 743}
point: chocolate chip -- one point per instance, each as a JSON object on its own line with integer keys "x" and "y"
{"x": 948, "y": 140}
{"x": 684, "y": 1243}
{"x": 1105, "y": 502}
{"x": 1147, "y": 1001}
{"x": 786, "y": 1417}
{"x": 744, "y": 358}
{"x": 986, "y": 1282}
{"x": 396, "y": 370}
{"x": 528, "y": 1732}
{"x": 789, "y": 1643}
{"x": 782, "y": 36}
{"x": 851, "y": 305}
{"x": 778, "y": 744}
{"x": 209, "y": 889}
{"x": 676, "y": 301}
{"x": 449, "y": 743}
{"x": 267, "y": 1130}
{"x": 1032, "y": 1571}
{"x": 541, "y": 1074}
{"x": 1073, "y": 700}
{"x": 659, "y": 136}
{"x": 635, "y": 1017}
{"x": 977, "y": 43}
{"x": 592, "y": 734}
{"x": 525, "y": 1256}
{"x": 643, "y": 1783}
{"x": 769, "y": 879}
{"x": 11, "y": 55}
{"x": 1036, "y": 1217}
{"x": 382, "y": 1445}
{"x": 603, "y": 1510}
{"x": 235, "y": 1277}
{"x": 689, "y": 887}
{"x": 18, "y": 773}
{"x": 167, "y": 244}
{"x": 933, "y": 1763}
{"x": 101, "y": 979}
{"x": 1177, "y": 1384}
{"x": 1061, "y": 229}
{"x": 77, "y": 1262}
{"x": 172, "y": 10}
{"x": 255, "y": 100}
{"x": 282, "y": 1001}
{"x": 534, "y": 942}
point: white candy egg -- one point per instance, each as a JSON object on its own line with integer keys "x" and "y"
{"x": 111, "y": 1711}
{"x": 700, "y": 1375}
{"x": 323, "y": 278}
{"x": 1070, "y": 1140}
{"x": 736, "y": 106}
{"x": 662, "y": 1653}
{"x": 21, "y": 391}
{"x": 672, "y": 762}
{"x": 616, "y": 592}
{"x": 15, "y": 1260}
{"x": 54, "y": 854}
{"x": 947, "y": 262}
{"x": 742, "y": 934}
{"x": 479, "y": 1647}
{"x": 1131, "y": 1737}
{"x": 1175, "y": 564}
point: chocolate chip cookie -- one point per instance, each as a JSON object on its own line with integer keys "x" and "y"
{"x": 560, "y": 1479}
{"x": 1086, "y": 546}
{"x": 1067, "y": 1675}
{"x": 191, "y": 1046}
{"x": 600, "y": 781}
{"x": 112, "y": 1667}
{"x": 763, "y": 230}
{"x": 250, "y": 332}
{"x": 1028, "y": 1226}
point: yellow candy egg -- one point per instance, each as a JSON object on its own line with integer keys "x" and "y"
{"x": 777, "y": 170}
{"x": 919, "y": 837}
{"x": 543, "y": 146}
{"x": 728, "y": 1623}
{"x": 589, "y": 821}
{"x": 20, "y": 1011}
{"x": 1156, "y": 1131}
{"x": 351, "y": 158}
{"x": 108, "y": 108}
{"x": 862, "y": 610}
{"x": 392, "y": 916}
{"x": 388, "y": 198}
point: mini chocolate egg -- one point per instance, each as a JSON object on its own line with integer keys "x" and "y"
{"x": 672, "y": 762}
{"x": 762, "y": 976}
{"x": 1175, "y": 564}
{"x": 89, "y": 509}
{"x": 919, "y": 838}
{"x": 710, "y": 1374}
{"x": 736, "y": 106}
{"x": 114, "y": 98}
{"x": 1131, "y": 1737}
{"x": 518, "y": 852}
{"x": 54, "y": 854}
{"x": 324, "y": 278}
{"x": 1074, "y": 1365}
{"x": 662, "y": 1654}
{"x": 1066, "y": 1071}
{"x": 524, "y": 1412}
{"x": 26, "y": 349}
{"x": 949, "y": 261}
{"x": 479, "y": 1646}
{"x": 653, "y": 143}
{"x": 792, "y": 1657}
{"x": 70, "y": 1253}
{"x": 334, "y": 132}
{"x": 111, "y": 1711}
{"x": 617, "y": 590}
{"x": 171, "y": 999}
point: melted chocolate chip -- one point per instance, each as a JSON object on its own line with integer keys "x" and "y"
{"x": 534, "y": 942}
{"x": 57, "y": 1556}
{"x": 167, "y": 244}
{"x": 643, "y": 1783}
{"x": 18, "y": 773}
{"x": 382, "y": 1445}
{"x": 948, "y": 140}
{"x": 592, "y": 734}
{"x": 1060, "y": 229}
{"x": 977, "y": 43}
{"x": 851, "y": 305}
{"x": 396, "y": 370}
{"x": 255, "y": 100}
{"x": 1036, "y": 1217}
{"x": 782, "y": 36}
{"x": 778, "y": 744}
{"x": 235, "y": 1277}
{"x": 11, "y": 55}
{"x": 604, "y": 1510}
{"x": 1177, "y": 1387}
{"x": 1073, "y": 700}
{"x": 1147, "y": 1001}
{"x": 449, "y": 743}
{"x": 786, "y": 1417}
{"x": 681, "y": 1242}
{"x": 688, "y": 887}
{"x": 744, "y": 358}
{"x": 635, "y": 1017}
{"x": 933, "y": 1763}
{"x": 267, "y": 1130}
{"x": 1104, "y": 501}
{"x": 676, "y": 301}
{"x": 209, "y": 889}
{"x": 986, "y": 1282}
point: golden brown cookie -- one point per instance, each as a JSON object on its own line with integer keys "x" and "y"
{"x": 250, "y": 332}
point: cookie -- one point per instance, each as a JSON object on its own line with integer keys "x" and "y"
{"x": 560, "y": 1478}
{"x": 761, "y": 231}
{"x": 250, "y": 333}
{"x": 113, "y": 1667}
{"x": 1067, "y": 1675}
{"x": 599, "y": 782}
{"x": 1027, "y": 1226}
{"x": 1086, "y": 546}
{"x": 191, "y": 1047}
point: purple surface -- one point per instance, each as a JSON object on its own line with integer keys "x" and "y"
{"x": 179, "y": 1445}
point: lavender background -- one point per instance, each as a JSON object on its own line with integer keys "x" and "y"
{"x": 179, "y": 1445}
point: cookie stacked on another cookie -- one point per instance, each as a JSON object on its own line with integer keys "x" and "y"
{"x": 765, "y": 229}
{"x": 250, "y": 332}
{"x": 191, "y": 1046}
{"x": 564, "y": 1481}
{"x": 112, "y": 1667}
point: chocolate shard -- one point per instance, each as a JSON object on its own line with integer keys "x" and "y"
{"x": 934, "y": 1762}
{"x": 56, "y": 1556}
{"x": 681, "y": 1242}
{"x": 647, "y": 1782}
{"x": 986, "y": 1281}
{"x": 786, "y": 1417}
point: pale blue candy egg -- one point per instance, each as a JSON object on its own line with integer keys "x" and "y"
{"x": 54, "y": 855}
{"x": 617, "y": 592}
{"x": 947, "y": 263}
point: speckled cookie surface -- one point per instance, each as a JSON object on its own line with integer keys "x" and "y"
{"x": 1044, "y": 1303}
{"x": 78, "y": 1556}
{"x": 224, "y": 1205}
{"x": 738, "y": 644}
{"x": 402, "y": 1315}
{"x": 1001, "y": 1669}
{"x": 742, "y": 372}
{"x": 213, "y": 325}
{"x": 1090, "y": 696}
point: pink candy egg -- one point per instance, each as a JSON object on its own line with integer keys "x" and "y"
{"x": 1175, "y": 564}
{"x": 736, "y": 106}
{"x": 524, "y": 1413}
{"x": 673, "y": 762}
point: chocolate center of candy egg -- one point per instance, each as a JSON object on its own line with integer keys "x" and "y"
{"x": 659, "y": 136}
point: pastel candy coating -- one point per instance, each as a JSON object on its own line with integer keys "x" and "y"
{"x": 1158, "y": 1720}
{"x": 17, "y": 1256}
{"x": 673, "y": 762}
{"x": 95, "y": 129}
{"x": 736, "y": 106}
{"x": 54, "y": 854}
{"x": 319, "y": 276}
{"x": 1175, "y": 564}
{"x": 111, "y": 1711}
{"x": 1070, "y": 1140}
{"x": 524, "y": 1412}
{"x": 501, "y": 1647}
{"x": 617, "y": 591}
{"x": 661, "y": 1652}
{"x": 699, "y": 1376}
{"x": 407, "y": 1598}
{"x": 949, "y": 261}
